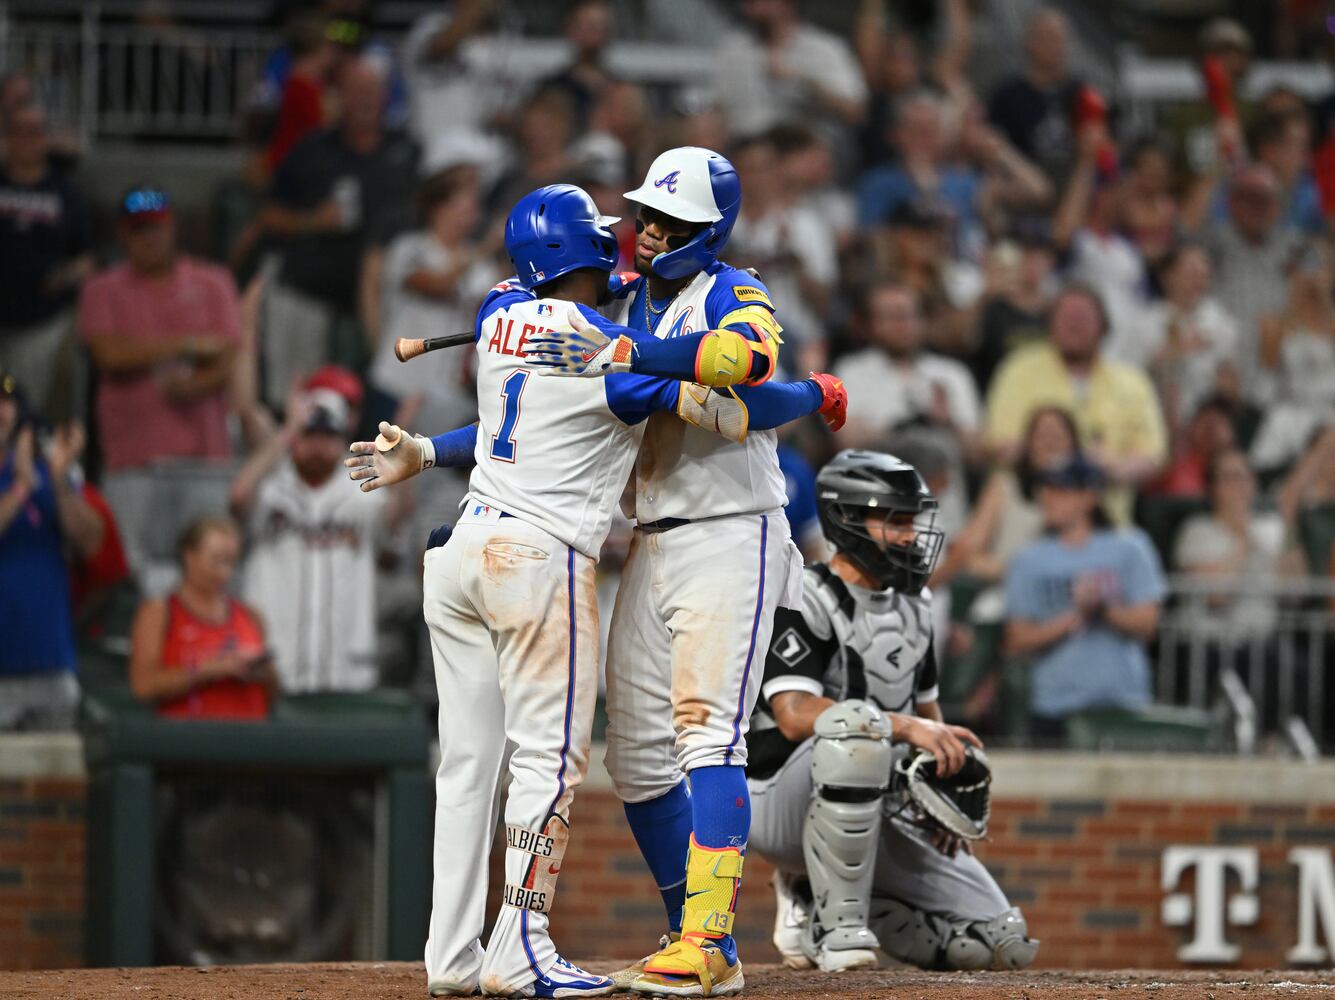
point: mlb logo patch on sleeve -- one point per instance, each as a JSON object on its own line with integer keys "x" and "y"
{"x": 748, "y": 293}
{"x": 791, "y": 647}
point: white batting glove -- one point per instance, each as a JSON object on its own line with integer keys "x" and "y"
{"x": 583, "y": 350}
{"x": 391, "y": 458}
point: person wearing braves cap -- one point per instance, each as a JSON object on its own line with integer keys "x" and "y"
{"x": 690, "y": 629}
{"x": 311, "y": 563}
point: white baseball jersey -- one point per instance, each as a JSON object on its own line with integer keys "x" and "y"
{"x": 844, "y": 642}
{"x": 553, "y": 451}
{"x": 311, "y": 575}
{"x": 683, "y": 471}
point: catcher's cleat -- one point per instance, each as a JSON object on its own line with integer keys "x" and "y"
{"x": 790, "y": 918}
{"x": 565, "y": 979}
{"x": 852, "y": 953}
{"x": 624, "y": 977}
{"x": 693, "y": 967}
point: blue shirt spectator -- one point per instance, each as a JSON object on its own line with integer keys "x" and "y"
{"x": 800, "y": 484}
{"x": 1083, "y": 601}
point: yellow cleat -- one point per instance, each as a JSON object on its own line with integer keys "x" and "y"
{"x": 624, "y": 978}
{"x": 693, "y": 967}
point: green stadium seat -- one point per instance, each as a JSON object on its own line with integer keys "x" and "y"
{"x": 1151, "y": 729}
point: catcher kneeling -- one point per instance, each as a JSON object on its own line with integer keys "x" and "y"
{"x": 862, "y": 798}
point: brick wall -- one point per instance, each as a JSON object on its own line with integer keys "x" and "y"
{"x": 1085, "y": 869}
{"x": 41, "y": 872}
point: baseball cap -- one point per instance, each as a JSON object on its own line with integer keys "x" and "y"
{"x": 1077, "y": 473}
{"x": 144, "y": 204}
{"x": 329, "y": 412}
{"x": 342, "y": 381}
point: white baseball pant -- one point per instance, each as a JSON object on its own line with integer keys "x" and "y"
{"x": 513, "y": 618}
{"x": 686, "y": 651}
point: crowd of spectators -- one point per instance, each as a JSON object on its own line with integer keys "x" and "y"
{"x": 1069, "y": 322}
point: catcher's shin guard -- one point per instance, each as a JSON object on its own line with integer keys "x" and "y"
{"x": 850, "y": 765}
{"x": 930, "y": 941}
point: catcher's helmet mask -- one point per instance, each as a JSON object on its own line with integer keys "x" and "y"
{"x": 857, "y": 484}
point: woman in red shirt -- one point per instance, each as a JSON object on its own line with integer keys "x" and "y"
{"x": 199, "y": 654}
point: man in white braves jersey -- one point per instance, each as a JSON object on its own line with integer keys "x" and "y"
{"x": 710, "y": 561}
{"x": 311, "y": 563}
{"x": 510, "y": 600}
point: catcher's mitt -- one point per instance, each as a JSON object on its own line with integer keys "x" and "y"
{"x": 959, "y": 804}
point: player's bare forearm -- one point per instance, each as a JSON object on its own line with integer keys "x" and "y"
{"x": 930, "y": 710}
{"x": 796, "y": 713}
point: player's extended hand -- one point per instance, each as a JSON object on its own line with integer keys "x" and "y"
{"x": 391, "y": 458}
{"x": 834, "y": 399}
{"x": 582, "y": 350}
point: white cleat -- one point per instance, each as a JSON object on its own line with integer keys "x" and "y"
{"x": 791, "y": 917}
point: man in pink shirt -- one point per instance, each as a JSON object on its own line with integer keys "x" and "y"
{"x": 162, "y": 330}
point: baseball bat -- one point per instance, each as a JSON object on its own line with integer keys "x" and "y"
{"x": 405, "y": 348}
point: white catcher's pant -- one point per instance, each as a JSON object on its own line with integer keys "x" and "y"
{"x": 513, "y": 618}
{"x": 907, "y": 868}
{"x": 686, "y": 652}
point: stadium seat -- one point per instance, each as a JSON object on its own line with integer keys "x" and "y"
{"x": 1154, "y": 728}
{"x": 1316, "y": 531}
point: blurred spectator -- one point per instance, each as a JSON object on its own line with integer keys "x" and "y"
{"x": 1083, "y": 603}
{"x": 543, "y": 131}
{"x": 1121, "y": 427}
{"x": 914, "y": 249}
{"x": 1185, "y": 341}
{"x": 1148, "y": 204}
{"x": 301, "y": 108}
{"x": 1006, "y": 517}
{"x": 43, "y": 521}
{"x": 922, "y": 171}
{"x": 311, "y": 564}
{"x": 1283, "y": 142}
{"x": 806, "y": 168}
{"x": 1210, "y": 429}
{"x": 162, "y": 330}
{"x": 448, "y": 95}
{"x": 432, "y": 280}
{"x": 799, "y": 480}
{"x": 1013, "y": 306}
{"x": 778, "y": 68}
{"x": 1087, "y": 228}
{"x": 1234, "y": 544}
{"x": 199, "y": 653}
{"x": 1034, "y": 110}
{"x": 892, "y": 67}
{"x": 588, "y": 30}
{"x": 45, "y": 255}
{"x": 236, "y": 235}
{"x": 1250, "y": 249}
{"x": 328, "y": 196}
{"x": 897, "y": 382}
{"x": 1298, "y": 354}
{"x": 787, "y": 243}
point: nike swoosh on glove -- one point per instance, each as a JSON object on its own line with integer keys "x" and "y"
{"x": 584, "y": 350}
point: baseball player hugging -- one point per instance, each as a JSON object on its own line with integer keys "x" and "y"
{"x": 849, "y": 694}
{"x": 510, "y": 599}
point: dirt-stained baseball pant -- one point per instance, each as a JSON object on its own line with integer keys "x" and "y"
{"x": 907, "y": 867}
{"x": 513, "y": 618}
{"x": 686, "y": 651}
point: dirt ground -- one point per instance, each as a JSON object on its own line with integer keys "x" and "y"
{"x": 407, "y": 981}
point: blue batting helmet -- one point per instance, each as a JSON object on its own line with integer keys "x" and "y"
{"x": 695, "y": 185}
{"x": 555, "y": 230}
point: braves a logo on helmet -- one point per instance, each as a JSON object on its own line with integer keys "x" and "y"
{"x": 668, "y": 181}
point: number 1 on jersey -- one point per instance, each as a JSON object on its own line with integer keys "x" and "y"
{"x": 503, "y": 445}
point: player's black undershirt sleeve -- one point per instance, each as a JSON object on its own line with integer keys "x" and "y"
{"x": 926, "y": 670}
{"x": 796, "y": 651}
